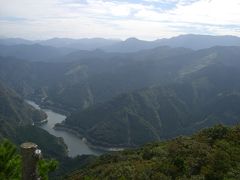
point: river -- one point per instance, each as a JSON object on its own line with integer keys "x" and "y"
{"x": 75, "y": 145}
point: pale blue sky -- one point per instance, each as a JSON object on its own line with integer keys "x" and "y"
{"x": 144, "y": 19}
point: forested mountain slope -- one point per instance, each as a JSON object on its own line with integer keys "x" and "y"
{"x": 15, "y": 112}
{"x": 182, "y": 90}
{"x": 205, "y": 92}
{"x": 212, "y": 153}
{"x": 17, "y": 119}
{"x": 85, "y": 78}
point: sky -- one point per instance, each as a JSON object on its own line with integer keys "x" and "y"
{"x": 143, "y": 19}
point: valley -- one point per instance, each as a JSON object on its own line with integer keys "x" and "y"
{"x": 120, "y": 90}
{"x": 75, "y": 145}
{"x": 118, "y": 100}
{"x": 124, "y": 97}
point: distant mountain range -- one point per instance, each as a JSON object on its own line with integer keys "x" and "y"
{"x": 191, "y": 41}
{"x": 82, "y": 44}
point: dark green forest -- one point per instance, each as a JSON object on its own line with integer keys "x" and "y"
{"x": 211, "y": 154}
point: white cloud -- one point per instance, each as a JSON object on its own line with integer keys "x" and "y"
{"x": 212, "y": 12}
{"x": 117, "y": 19}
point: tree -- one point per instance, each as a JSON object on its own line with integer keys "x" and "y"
{"x": 10, "y": 163}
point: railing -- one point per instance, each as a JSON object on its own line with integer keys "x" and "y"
{"x": 30, "y": 156}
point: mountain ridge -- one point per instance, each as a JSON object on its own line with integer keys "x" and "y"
{"x": 192, "y": 41}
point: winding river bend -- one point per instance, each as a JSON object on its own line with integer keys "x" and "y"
{"x": 76, "y": 146}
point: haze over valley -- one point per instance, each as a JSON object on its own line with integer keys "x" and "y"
{"x": 121, "y": 89}
{"x": 98, "y": 89}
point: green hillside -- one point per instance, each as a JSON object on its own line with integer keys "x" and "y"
{"x": 17, "y": 118}
{"x": 211, "y": 154}
{"x": 14, "y": 112}
{"x": 207, "y": 97}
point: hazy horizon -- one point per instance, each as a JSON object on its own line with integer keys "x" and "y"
{"x": 117, "y": 39}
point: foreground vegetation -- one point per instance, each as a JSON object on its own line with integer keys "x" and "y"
{"x": 211, "y": 154}
{"x": 10, "y": 163}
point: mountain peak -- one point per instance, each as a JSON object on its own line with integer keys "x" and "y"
{"x": 132, "y": 39}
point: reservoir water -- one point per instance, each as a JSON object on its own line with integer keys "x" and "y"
{"x": 75, "y": 145}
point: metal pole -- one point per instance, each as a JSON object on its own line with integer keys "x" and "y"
{"x": 29, "y": 161}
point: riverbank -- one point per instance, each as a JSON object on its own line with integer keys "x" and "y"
{"x": 55, "y": 109}
{"x": 59, "y": 126}
{"x": 39, "y": 123}
{"x": 76, "y": 145}
{"x": 43, "y": 104}
{"x": 62, "y": 127}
